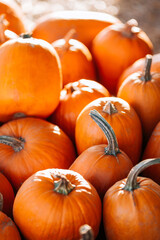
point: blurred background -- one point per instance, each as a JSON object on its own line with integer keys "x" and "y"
{"x": 146, "y": 12}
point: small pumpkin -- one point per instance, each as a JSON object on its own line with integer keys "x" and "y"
{"x": 28, "y": 145}
{"x": 115, "y": 48}
{"x": 8, "y": 229}
{"x": 131, "y": 207}
{"x": 54, "y": 204}
{"x": 33, "y": 89}
{"x": 103, "y": 165}
{"x": 86, "y": 23}
{"x": 76, "y": 59}
{"x": 122, "y": 118}
{"x": 152, "y": 150}
{"x": 74, "y": 97}
{"x": 142, "y": 90}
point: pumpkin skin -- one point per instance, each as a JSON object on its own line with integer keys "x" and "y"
{"x": 152, "y": 150}
{"x": 139, "y": 66}
{"x": 13, "y": 15}
{"x": 118, "y": 45}
{"x": 8, "y": 195}
{"x": 142, "y": 90}
{"x": 132, "y": 213}
{"x": 86, "y": 23}
{"x": 122, "y": 118}
{"x": 76, "y": 60}
{"x": 35, "y": 145}
{"x": 103, "y": 165}
{"x": 74, "y": 97}
{"x": 41, "y": 207}
{"x": 33, "y": 90}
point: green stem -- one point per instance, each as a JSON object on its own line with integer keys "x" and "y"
{"x": 112, "y": 148}
{"x": 131, "y": 183}
{"x": 86, "y": 232}
{"x": 25, "y": 35}
{"x": 146, "y": 74}
{"x": 16, "y": 143}
{"x": 63, "y": 186}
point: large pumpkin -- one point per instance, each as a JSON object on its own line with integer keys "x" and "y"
{"x": 30, "y": 78}
{"x": 86, "y": 23}
{"x": 103, "y": 165}
{"x": 142, "y": 91}
{"x": 115, "y": 48}
{"x": 30, "y": 144}
{"x": 54, "y": 204}
{"x": 74, "y": 97}
{"x": 122, "y": 118}
{"x": 131, "y": 207}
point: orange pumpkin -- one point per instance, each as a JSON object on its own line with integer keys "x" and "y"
{"x": 86, "y": 23}
{"x": 117, "y": 47}
{"x": 74, "y": 97}
{"x": 8, "y": 195}
{"x": 152, "y": 150}
{"x": 122, "y": 118}
{"x": 139, "y": 66}
{"x": 30, "y": 78}
{"x": 13, "y": 15}
{"x": 54, "y": 204}
{"x": 76, "y": 59}
{"x": 131, "y": 207}
{"x": 28, "y": 145}
{"x": 142, "y": 91}
{"x": 103, "y": 165}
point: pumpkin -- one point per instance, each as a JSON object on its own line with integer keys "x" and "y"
{"x": 122, "y": 118}
{"x": 103, "y": 165}
{"x": 74, "y": 97}
{"x": 8, "y": 229}
{"x": 139, "y": 66}
{"x": 54, "y": 204}
{"x": 28, "y": 145}
{"x": 117, "y": 47}
{"x": 28, "y": 88}
{"x": 13, "y": 15}
{"x": 131, "y": 207}
{"x": 86, "y": 23}
{"x": 152, "y": 150}
{"x": 76, "y": 59}
{"x": 8, "y": 195}
{"x": 142, "y": 90}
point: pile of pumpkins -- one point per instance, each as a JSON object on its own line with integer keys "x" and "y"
{"x": 80, "y": 120}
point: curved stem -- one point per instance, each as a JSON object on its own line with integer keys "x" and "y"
{"x": 63, "y": 186}
{"x": 109, "y": 108}
{"x": 16, "y": 143}
{"x": 131, "y": 182}
{"x": 146, "y": 74}
{"x": 112, "y": 148}
{"x": 1, "y": 202}
{"x": 86, "y": 232}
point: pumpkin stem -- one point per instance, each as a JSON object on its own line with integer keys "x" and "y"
{"x": 86, "y": 232}
{"x": 112, "y": 148}
{"x": 16, "y": 143}
{"x": 109, "y": 108}
{"x": 3, "y": 26}
{"x": 63, "y": 186}
{"x": 25, "y": 35}
{"x": 130, "y": 28}
{"x": 1, "y": 202}
{"x": 131, "y": 183}
{"x": 146, "y": 75}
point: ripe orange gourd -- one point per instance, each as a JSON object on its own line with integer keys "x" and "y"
{"x": 103, "y": 165}
{"x": 131, "y": 207}
{"x": 76, "y": 59}
{"x": 13, "y": 15}
{"x": 122, "y": 118}
{"x": 117, "y": 47}
{"x": 86, "y": 23}
{"x": 142, "y": 91}
{"x": 28, "y": 145}
{"x": 54, "y": 204}
{"x": 30, "y": 78}
{"x": 74, "y": 97}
